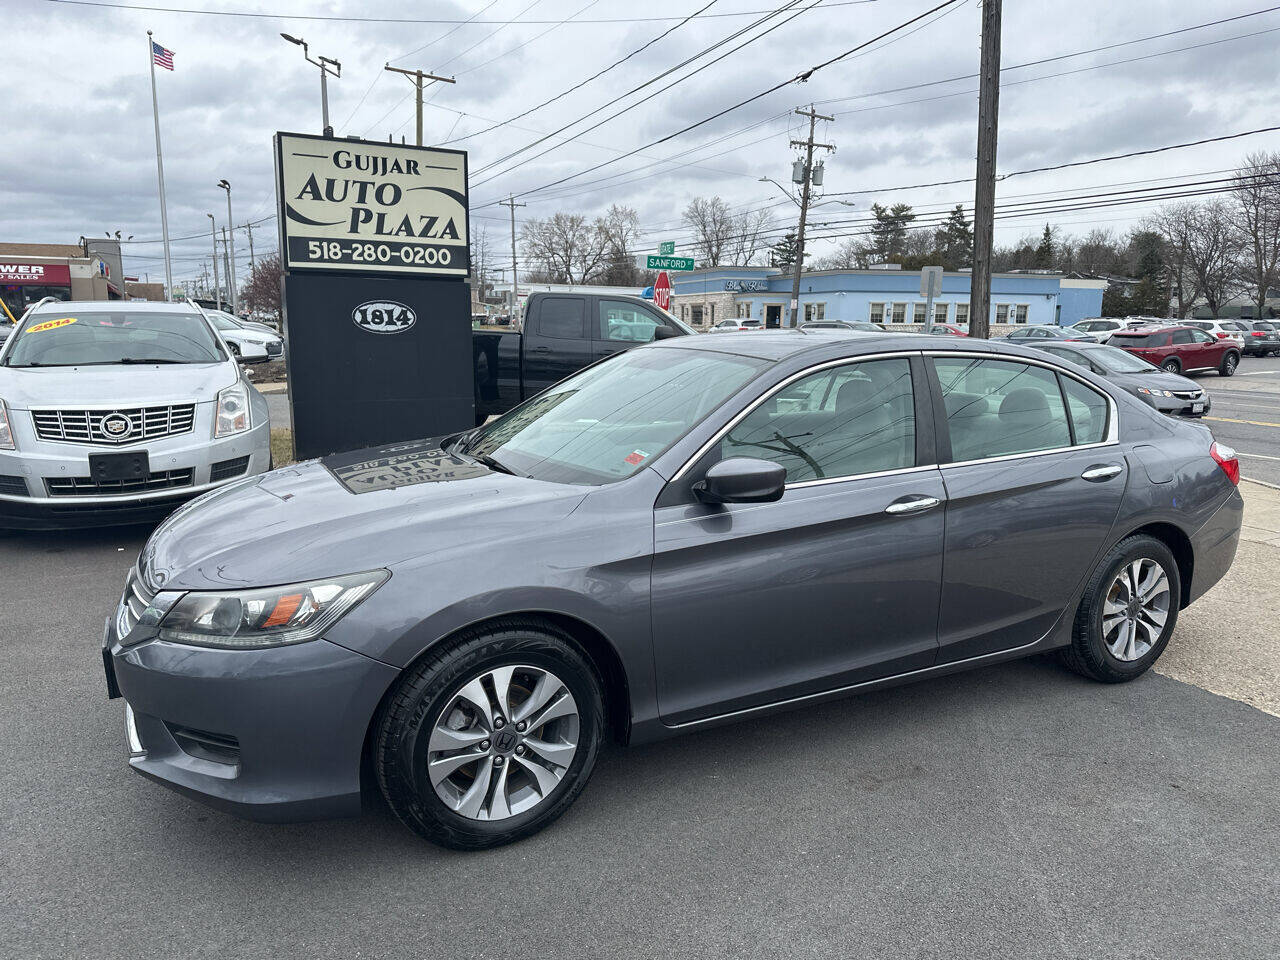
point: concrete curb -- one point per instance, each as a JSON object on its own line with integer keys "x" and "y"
{"x": 272, "y": 387}
{"x": 1261, "y": 512}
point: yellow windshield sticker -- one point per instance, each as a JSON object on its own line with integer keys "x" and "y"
{"x": 52, "y": 324}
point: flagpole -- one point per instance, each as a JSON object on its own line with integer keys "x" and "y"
{"x": 164, "y": 214}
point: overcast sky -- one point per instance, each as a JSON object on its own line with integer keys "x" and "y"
{"x": 77, "y": 154}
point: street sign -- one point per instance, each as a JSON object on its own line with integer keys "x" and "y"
{"x": 666, "y": 248}
{"x": 931, "y": 282}
{"x": 668, "y": 263}
{"x": 662, "y": 291}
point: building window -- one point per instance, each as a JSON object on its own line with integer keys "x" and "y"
{"x": 814, "y": 311}
{"x": 940, "y": 312}
{"x": 696, "y": 310}
{"x": 899, "y": 313}
{"x": 918, "y": 312}
{"x": 877, "y": 313}
{"x": 1002, "y": 313}
{"x": 1020, "y": 313}
{"x": 713, "y": 314}
{"x": 962, "y": 313}
{"x": 744, "y": 309}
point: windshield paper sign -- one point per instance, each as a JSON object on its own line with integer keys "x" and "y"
{"x": 356, "y": 206}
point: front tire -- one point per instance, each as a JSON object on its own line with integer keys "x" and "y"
{"x": 1127, "y": 613}
{"x": 1172, "y": 365}
{"x": 1230, "y": 361}
{"x": 492, "y": 738}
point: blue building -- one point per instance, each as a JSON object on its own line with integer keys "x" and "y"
{"x": 704, "y": 297}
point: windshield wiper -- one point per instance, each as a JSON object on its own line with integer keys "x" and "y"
{"x": 492, "y": 464}
{"x": 147, "y": 360}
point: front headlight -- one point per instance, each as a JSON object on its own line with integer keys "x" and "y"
{"x": 6, "y": 432}
{"x": 1155, "y": 393}
{"x": 233, "y": 411}
{"x": 269, "y": 617}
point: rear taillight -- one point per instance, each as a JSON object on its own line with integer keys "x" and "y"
{"x": 1255, "y": 333}
{"x": 1225, "y": 457}
{"x": 1223, "y": 336}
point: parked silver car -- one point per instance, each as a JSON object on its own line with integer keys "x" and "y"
{"x": 248, "y": 343}
{"x": 116, "y": 412}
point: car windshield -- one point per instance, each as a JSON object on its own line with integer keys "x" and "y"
{"x": 1115, "y": 360}
{"x": 613, "y": 418}
{"x": 110, "y": 337}
{"x": 222, "y": 321}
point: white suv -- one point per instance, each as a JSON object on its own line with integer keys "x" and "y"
{"x": 115, "y": 412}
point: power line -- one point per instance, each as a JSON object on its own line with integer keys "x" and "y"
{"x": 444, "y": 21}
{"x": 595, "y": 76}
{"x": 798, "y": 78}
{"x": 787, "y": 7}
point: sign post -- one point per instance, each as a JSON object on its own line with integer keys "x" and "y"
{"x": 374, "y": 241}
{"x": 662, "y": 292}
{"x": 930, "y": 287}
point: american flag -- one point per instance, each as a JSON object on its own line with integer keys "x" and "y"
{"x": 161, "y": 56}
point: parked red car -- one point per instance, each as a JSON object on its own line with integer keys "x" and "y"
{"x": 950, "y": 328}
{"x": 1179, "y": 349}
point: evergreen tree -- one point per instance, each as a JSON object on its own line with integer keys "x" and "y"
{"x": 954, "y": 241}
{"x": 889, "y": 232}
{"x": 783, "y": 253}
{"x": 1045, "y": 251}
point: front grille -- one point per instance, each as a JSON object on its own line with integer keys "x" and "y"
{"x": 226, "y": 469}
{"x": 204, "y": 745}
{"x": 13, "y": 486}
{"x": 1188, "y": 394}
{"x": 135, "y": 600}
{"x": 275, "y": 349}
{"x": 88, "y": 487}
{"x": 87, "y": 426}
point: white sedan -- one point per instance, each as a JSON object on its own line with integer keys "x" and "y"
{"x": 246, "y": 343}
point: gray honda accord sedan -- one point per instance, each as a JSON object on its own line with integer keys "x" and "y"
{"x": 695, "y": 531}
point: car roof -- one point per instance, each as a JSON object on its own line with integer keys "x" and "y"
{"x": 777, "y": 345}
{"x": 113, "y": 306}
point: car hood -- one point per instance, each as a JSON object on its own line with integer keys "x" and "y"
{"x": 129, "y": 386}
{"x": 381, "y": 507}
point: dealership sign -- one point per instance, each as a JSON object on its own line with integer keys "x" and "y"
{"x": 747, "y": 285}
{"x": 355, "y": 206}
{"x": 52, "y": 274}
{"x": 384, "y": 316}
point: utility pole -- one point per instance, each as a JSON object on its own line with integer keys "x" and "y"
{"x": 417, "y": 76}
{"x": 515, "y": 282}
{"x": 252, "y": 264}
{"x": 985, "y": 194}
{"x": 231, "y": 259}
{"x": 217, "y": 290}
{"x": 327, "y": 65}
{"x": 809, "y": 146}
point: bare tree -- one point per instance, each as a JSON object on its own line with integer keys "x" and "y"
{"x": 712, "y": 225}
{"x": 1213, "y": 252}
{"x": 565, "y": 247}
{"x": 748, "y": 236}
{"x": 1175, "y": 222}
{"x": 262, "y": 292}
{"x": 1256, "y": 196}
{"x": 620, "y": 227}
{"x": 480, "y": 263}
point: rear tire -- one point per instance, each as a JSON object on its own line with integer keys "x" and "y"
{"x": 434, "y": 718}
{"x": 1230, "y": 361}
{"x": 1100, "y": 646}
{"x": 1172, "y": 365}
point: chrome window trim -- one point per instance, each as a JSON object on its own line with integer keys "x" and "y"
{"x": 807, "y": 371}
{"x": 1113, "y": 411}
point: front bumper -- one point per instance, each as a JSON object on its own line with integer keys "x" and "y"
{"x": 274, "y": 734}
{"x": 30, "y": 474}
{"x": 1179, "y": 407}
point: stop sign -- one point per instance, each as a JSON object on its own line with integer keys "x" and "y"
{"x": 662, "y": 291}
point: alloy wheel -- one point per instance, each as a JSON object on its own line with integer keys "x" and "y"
{"x": 1135, "y": 609}
{"x": 503, "y": 742}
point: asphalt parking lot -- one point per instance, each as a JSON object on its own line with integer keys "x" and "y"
{"x": 1016, "y": 811}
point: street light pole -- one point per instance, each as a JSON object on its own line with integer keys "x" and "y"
{"x": 324, "y": 63}
{"x": 213, "y": 231}
{"x": 417, "y": 76}
{"x": 231, "y": 263}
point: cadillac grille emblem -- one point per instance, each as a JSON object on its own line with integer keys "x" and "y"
{"x": 116, "y": 426}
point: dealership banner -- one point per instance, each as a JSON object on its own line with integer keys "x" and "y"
{"x": 52, "y": 274}
{"x": 356, "y": 206}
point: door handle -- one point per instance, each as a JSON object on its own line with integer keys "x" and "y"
{"x": 1100, "y": 472}
{"x": 915, "y": 504}
{"x": 541, "y": 349}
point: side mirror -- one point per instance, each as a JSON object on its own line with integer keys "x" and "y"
{"x": 742, "y": 480}
{"x": 665, "y": 333}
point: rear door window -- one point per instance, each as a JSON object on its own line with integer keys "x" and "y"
{"x": 626, "y": 322}
{"x": 563, "y": 318}
{"x": 998, "y": 408}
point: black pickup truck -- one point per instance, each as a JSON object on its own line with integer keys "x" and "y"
{"x": 561, "y": 334}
